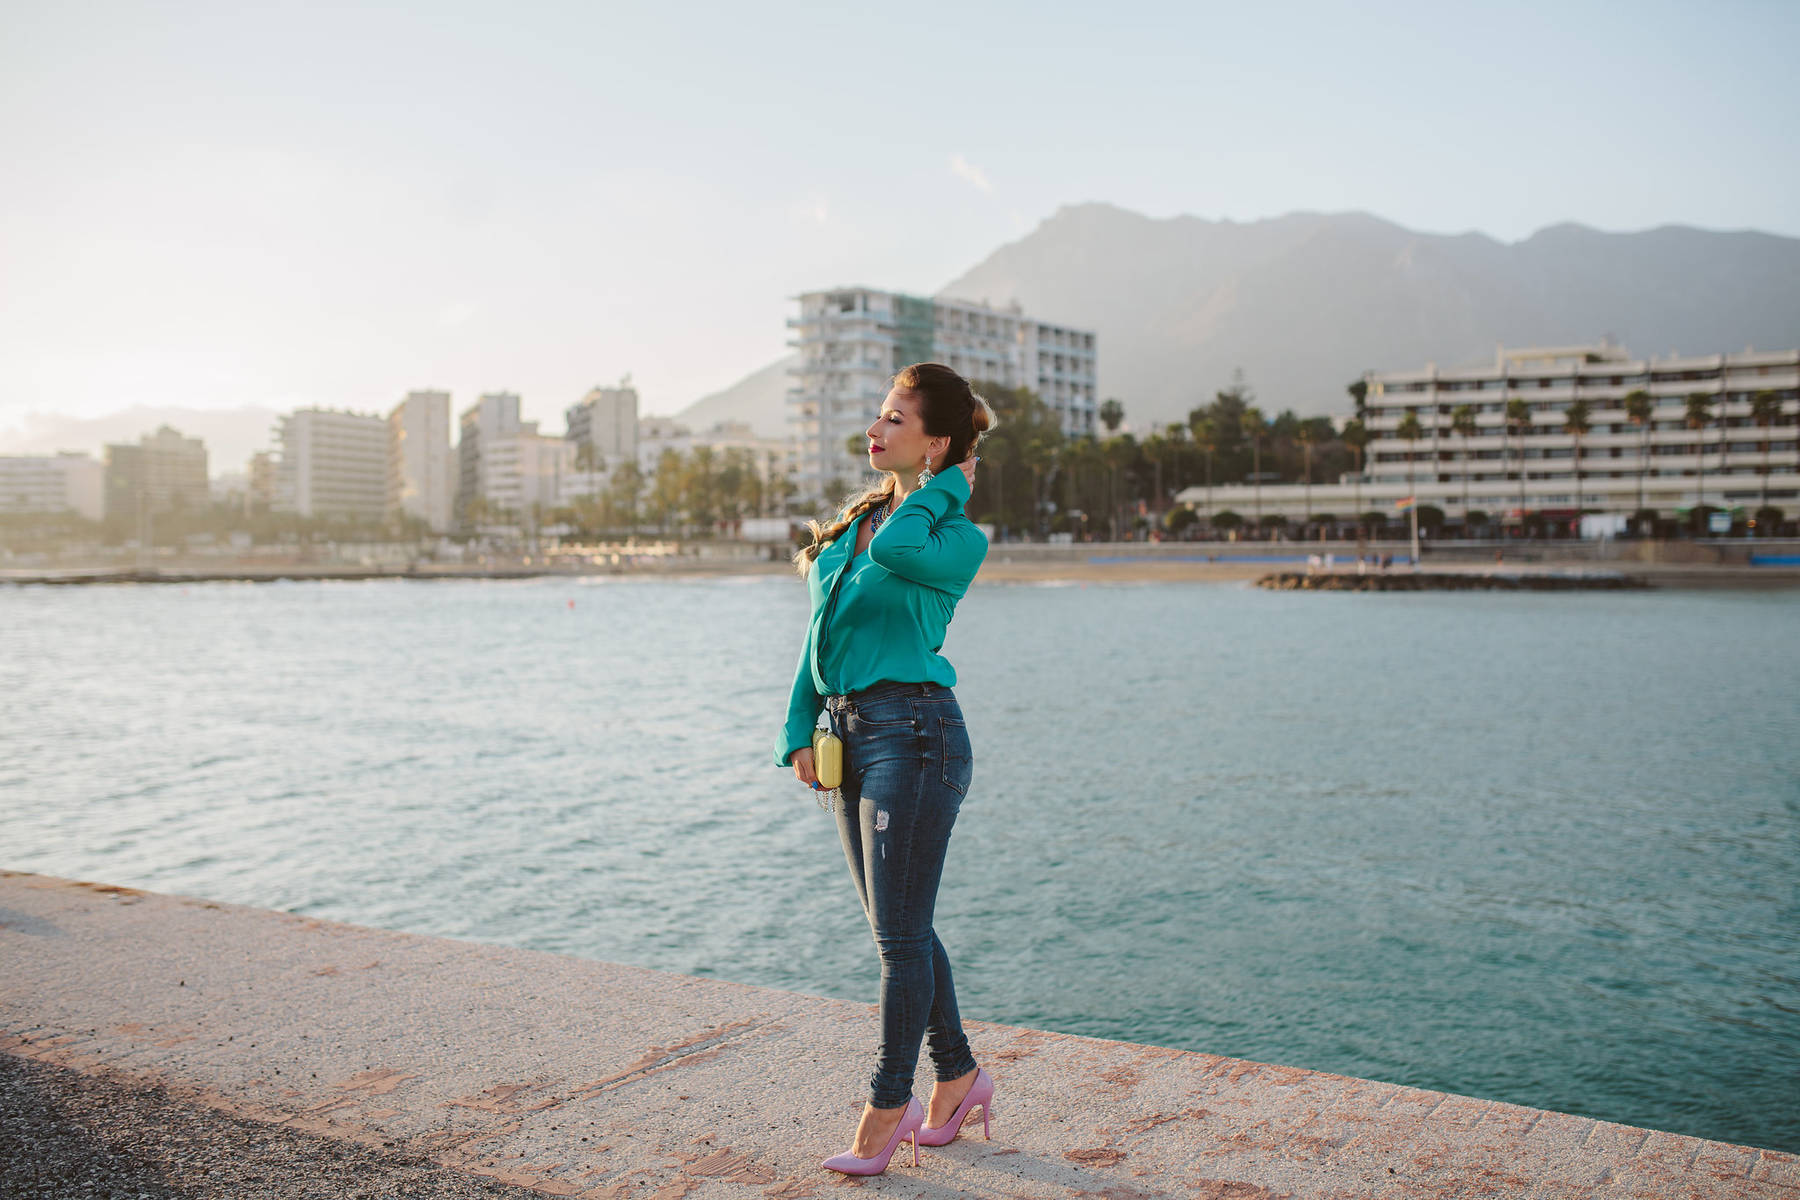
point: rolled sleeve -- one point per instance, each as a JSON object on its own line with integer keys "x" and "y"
{"x": 919, "y": 542}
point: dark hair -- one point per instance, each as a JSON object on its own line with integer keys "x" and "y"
{"x": 948, "y": 407}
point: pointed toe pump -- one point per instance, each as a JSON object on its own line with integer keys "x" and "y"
{"x": 981, "y": 1093}
{"x": 910, "y": 1120}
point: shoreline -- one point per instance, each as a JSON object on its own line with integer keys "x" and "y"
{"x": 572, "y": 1077}
{"x": 1005, "y": 568}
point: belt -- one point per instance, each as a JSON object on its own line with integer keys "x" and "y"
{"x": 884, "y": 691}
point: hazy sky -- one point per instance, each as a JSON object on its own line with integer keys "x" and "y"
{"x": 312, "y": 203}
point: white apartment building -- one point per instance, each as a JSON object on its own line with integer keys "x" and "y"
{"x": 333, "y": 463}
{"x": 419, "y": 482}
{"x": 1510, "y": 470}
{"x": 507, "y": 465}
{"x": 605, "y": 423}
{"x": 852, "y": 340}
{"x": 71, "y": 481}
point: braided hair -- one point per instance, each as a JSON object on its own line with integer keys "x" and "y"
{"x": 949, "y": 408}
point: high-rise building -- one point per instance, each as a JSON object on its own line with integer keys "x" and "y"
{"x": 48, "y": 483}
{"x": 508, "y": 471}
{"x": 333, "y": 464}
{"x": 852, "y": 340}
{"x": 163, "y": 472}
{"x": 604, "y": 427}
{"x": 419, "y": 483}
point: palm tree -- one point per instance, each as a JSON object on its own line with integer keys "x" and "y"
{"x": 1724, "y": 402}
{"x": 1462, "y": 422}
{"x": 1409, "y": 429}
{"x": 1306, "y": 435}
{"x": 1356, "y": 437}
{"x": 1577, "y": 422}
{"x": 1518, "y": 422}
{"x": 1155, "y": 446}
{"x": 1206, "y": 437}
{"x": 1120, "y": 451}
{"x": 1699, "y": 416}
{"x": 1177, "y": 435}
{"x": 1765, "y": 410}
{"x": 1412, "y": 432}
{"x": 1111, "y": 413}
{"x": 1255, "y": 427}
{"x": 1639, "y": 409}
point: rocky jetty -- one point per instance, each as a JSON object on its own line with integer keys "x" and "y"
{"x": 1451, "y": 581}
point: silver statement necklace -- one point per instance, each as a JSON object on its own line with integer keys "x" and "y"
{"x": 876, "y": 517}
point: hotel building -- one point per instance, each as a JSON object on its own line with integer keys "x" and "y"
{"x": 52, "y": 483}
{"x": 1512, "y": 470}
{"x": 605, "y": 423}
{"x": 852, "y": 340}
{"x": 333, "y": 463}
{"x": 506, "y": 464}
{"x": 419, "y": 478}
{"x": 162, "y": 472}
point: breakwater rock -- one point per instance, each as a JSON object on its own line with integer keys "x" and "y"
{"x": 1451, "y": 581}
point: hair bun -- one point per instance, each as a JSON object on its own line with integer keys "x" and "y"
{"x": 981, "y": 417}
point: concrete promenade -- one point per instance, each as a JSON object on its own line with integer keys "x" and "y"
{"x": 575, "y": 1078}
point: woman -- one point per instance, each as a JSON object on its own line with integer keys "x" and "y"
{"x": 885, "y": 578}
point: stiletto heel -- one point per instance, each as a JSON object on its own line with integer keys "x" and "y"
{"x": 981, "y": 1093}
{"x": 910, "y": 1121}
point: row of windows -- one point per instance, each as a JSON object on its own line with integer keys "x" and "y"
{"x": 1586, "y": 379}
{"x": 1589, "y": 477}
{"x": 1058, "y": 362}
{"x": 1753, "y": 432}
{"x": 1590, "y": 453}
{"x": 1663, "y": 403}
{"x": 1746, "y": 432}
{"x": 1065, "y": 337}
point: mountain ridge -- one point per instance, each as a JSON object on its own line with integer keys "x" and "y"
{"x": 1306, "y": 301}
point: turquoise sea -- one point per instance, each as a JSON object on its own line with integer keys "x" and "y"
{"x": 1539, "y": 848}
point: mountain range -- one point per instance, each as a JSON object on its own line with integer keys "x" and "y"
{"x": 1305, "y": 303}
{"x": 1302, "y": 304}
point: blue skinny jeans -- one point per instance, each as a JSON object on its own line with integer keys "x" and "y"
{"x": 907, "y": 766}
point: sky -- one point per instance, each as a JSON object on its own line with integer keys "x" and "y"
{"x": 288, "y": 204}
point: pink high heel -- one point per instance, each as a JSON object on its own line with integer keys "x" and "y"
{"x": 910, "y": 1120}
{"x": 980, "y": 1092}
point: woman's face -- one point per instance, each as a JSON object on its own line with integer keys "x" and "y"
{"x": 898, "y": 441}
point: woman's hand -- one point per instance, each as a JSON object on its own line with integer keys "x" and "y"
{"x": 968, "y": 469}
{"x": 804, "y": 771}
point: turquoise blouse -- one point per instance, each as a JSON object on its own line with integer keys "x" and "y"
{"x": 881, "y": 617}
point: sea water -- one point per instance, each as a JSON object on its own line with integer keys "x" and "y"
{"x": 1539, "y": 848}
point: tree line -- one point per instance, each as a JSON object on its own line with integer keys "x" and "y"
{"x": 1036, "y": 479}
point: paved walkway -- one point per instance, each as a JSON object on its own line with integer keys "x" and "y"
{"x": 578, "y": 1078}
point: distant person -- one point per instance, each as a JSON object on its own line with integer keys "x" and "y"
{"x": 885, "y": 577}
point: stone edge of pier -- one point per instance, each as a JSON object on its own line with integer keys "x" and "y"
{"x": 571, "y": 1077}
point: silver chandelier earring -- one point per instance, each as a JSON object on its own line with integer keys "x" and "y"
{"x": 925, "y": 475}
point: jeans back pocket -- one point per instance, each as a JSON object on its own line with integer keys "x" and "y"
{"x": 958, "y": 755}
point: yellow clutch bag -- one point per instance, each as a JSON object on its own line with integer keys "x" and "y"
{"x": 828, "y": 758}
